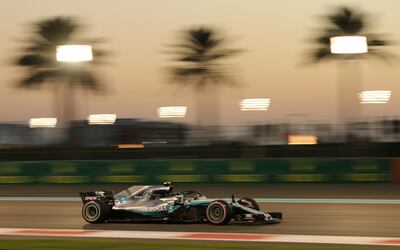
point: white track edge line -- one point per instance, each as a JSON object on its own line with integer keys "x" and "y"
{"x": 203, "y": 236}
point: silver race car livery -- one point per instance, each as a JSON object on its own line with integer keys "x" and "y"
{"x": 160, "y": 203}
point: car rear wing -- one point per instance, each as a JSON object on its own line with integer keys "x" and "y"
{"x": 107, "y": 196}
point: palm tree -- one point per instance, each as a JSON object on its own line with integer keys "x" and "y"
{"x": 199, "y": 56}
{"x": 38, "y": 57}
{"x": 345, "y": 21}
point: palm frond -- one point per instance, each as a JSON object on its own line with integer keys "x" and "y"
{"x": 39, "y": 77}
{"x": 58, "y": 30}
{"x": 198, "y": 53}
{"x": 32, "y": 60}
{"x": 347, "y": 20}
{"x": 321, "y": 54}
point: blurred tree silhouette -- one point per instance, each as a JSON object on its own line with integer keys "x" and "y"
{"x": 345, "y": 21}
{"x": 199, "y": 54}
{"x": 38, "y": 57}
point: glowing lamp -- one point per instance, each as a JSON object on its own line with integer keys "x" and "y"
{"x": 102, "y": 119}
{"x": 255, "y": 104}
{"x": 349, "y": 45}
{"x": 74, "y": 53}
{"x": 42, "y": 122}
{"x": 375, "y": 96}
{"x": 302, "y": 140}
{"x": 172, "y": 112}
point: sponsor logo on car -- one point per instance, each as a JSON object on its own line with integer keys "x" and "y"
{"x": 160, "y": 208}
{"x": 90, "y": 198}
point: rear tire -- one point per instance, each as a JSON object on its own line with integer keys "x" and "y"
{"x": 95, "y": 212}
{"x": 249, "y": 202}
{"x": 219, "y": 212}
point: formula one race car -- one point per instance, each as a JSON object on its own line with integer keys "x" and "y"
{"x": 160, "y": 204}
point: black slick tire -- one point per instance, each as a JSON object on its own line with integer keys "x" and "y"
{"x": 95, "y": 212}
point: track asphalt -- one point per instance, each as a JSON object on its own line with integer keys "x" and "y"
{"x": 301, "y": 218}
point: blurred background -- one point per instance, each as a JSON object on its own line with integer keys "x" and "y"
{"x": 231, "y": 76}
{"x": 289, "y": 102}
{"x": 266, "y": 80}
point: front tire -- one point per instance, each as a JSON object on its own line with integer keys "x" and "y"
{"x": 95, "y": 212}
{"x": 219, "y": 212}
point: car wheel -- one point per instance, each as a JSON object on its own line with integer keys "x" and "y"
{"x": 95, "y": 212}
{"x": 250, "y": 203}
{"x": 219, "y": 212}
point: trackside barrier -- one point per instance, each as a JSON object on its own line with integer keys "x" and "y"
{"x": 277, "y": 170}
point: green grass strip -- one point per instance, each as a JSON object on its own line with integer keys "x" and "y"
{"x": 100, "y": 244}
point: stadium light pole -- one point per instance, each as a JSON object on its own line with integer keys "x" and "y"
{"x": 71, "y": 55}
{"x": 255, "y": 104}
{"x": 375, "y": 98}
{"x": 349, "y": 47}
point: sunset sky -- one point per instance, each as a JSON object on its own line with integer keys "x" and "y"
{"x": 273, "y": 33}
